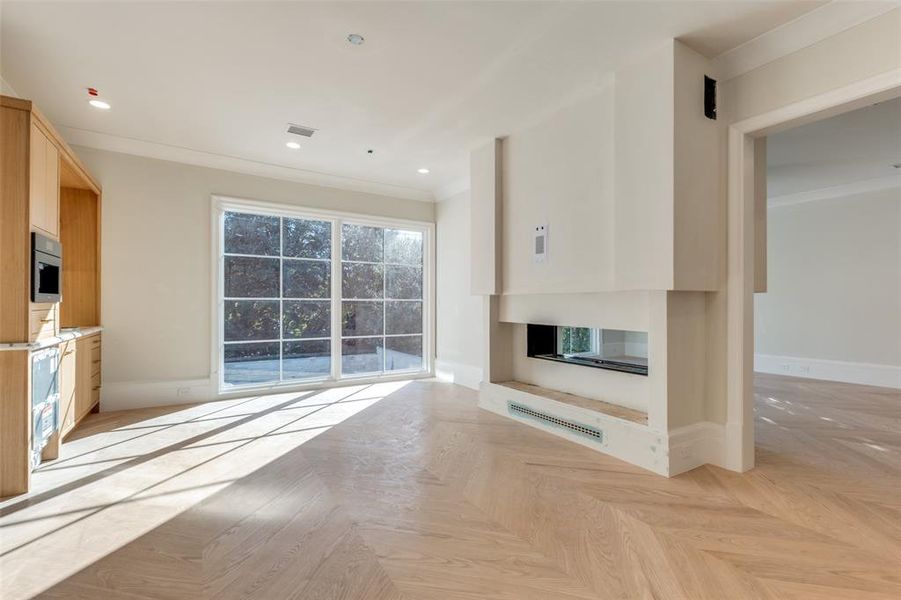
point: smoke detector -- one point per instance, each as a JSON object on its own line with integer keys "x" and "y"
{"x": 301, "y": 130}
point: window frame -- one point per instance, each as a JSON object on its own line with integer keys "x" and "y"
{"x": 222, "y": 204}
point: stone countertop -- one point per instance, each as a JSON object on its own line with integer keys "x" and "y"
{"x": 64, "y": 336}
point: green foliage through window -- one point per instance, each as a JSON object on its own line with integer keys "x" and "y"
{"x": 576, "y": 340}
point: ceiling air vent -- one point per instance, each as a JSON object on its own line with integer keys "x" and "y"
{"x": 301, "y": 130}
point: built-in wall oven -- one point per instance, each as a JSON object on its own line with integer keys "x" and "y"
{"x": 44, "y": 399}
{"x": 46, "y": 269}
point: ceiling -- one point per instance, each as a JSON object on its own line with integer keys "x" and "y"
{"x": 854, "y": 147}
{"x": 431, "y": 81}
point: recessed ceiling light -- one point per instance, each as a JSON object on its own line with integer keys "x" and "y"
{"x": 356, "y": 39}
{"x": 99, "y": 104}
{"x": 293, "y": 145}
{"x": 422, "y": 171}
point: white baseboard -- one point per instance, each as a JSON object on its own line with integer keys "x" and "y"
{"x": 696, "y": 445}
{"x": 124, "y": 395}
{"x": 454, "y": 372}
{"x": 829, "y": 370}
{"x": 143, "y": 394}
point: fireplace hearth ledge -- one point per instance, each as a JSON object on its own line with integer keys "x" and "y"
{"x": 624, "y": 435}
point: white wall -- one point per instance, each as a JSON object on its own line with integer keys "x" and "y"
{"x": 459, "y": 343}
{"x": 834, "y": 284}
{"x": 6, "y": 89}
{"x": 560, "y": 173}
{"x": 156, "y": 266}
{"x": 644, "y": 171}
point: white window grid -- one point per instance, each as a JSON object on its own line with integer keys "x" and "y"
{"x": 335, "y": 299}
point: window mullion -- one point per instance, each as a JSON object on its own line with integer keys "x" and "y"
{"x": 384, "y": 304}
{"x": 281, "y": 298}
{"x": 336, "y": 300}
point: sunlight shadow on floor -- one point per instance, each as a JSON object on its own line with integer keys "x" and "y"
{"x": 114, "y": 482}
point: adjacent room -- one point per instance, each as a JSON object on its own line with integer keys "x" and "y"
{"x": 450, "y": 300}
{"x": 832, "y": 303}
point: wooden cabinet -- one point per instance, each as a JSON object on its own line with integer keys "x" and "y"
{"x": 67, "y": 385}
{"x": 87, "y": 376}
{"x": 95, "y": 371}
{"x": 43, "y": 182}
{"x": 44, "y": 188}
{"x": 43, "y": 321}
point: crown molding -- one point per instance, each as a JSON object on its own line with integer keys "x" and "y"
{"x": 457, "y": 186}
{"x": 806, "y": 30}
{"x": 136, "y": 147}
{"x": 837, "y": 191}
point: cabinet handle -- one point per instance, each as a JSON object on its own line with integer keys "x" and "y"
{"x": 46, "y": 320}
{"x": 96, "y": 361}
{"x": 95, "y": 388}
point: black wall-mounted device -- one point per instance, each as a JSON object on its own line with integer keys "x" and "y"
{"x": 46, "y": 269}
{"x": 709, "y": 98}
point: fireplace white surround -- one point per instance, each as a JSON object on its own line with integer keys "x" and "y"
{"x": 667, "y": 428}
{"x": 639, "y": 157}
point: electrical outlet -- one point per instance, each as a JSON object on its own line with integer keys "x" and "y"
{"x": 183, "y": 392}
{"x": 785, "y": 367}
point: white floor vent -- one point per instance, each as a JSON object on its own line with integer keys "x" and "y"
{"x": 522, "y": 410}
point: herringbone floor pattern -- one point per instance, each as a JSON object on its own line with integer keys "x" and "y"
{"x": 424, "y": 496}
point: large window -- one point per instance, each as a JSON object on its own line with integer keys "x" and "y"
{"x": 381, "y": 300}
{"x": 307, "y": 298}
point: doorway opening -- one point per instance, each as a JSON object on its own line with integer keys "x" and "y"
{"x": 747, "y": 241}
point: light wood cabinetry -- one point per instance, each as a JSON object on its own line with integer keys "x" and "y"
{"x": 15, "y": 474}
{"x": 87, "y": 377}
{"x": 68, "y": 365}
{"x": 79, "y": 387}
{"x": 44, "y": 188}
{"x": 43, "y": 182}
{"x": 15, "y": 238}
{"x": 43, "y": 321}
{"x": 79, "y": 234}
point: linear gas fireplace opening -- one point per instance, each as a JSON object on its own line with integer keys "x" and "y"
{"x": 613, "y": 349}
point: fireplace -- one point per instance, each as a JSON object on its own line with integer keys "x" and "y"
{"x": 612, "y": 349}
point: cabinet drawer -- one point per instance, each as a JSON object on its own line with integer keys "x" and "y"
{"x": 95, "y": 364}
{"x": 96, "y": 356}
{"x": 88, "y": 385}
{"x": 43, "y": 322}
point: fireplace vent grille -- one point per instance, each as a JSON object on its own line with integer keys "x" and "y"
{"x": 522, "y": 410}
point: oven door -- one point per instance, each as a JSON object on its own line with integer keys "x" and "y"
{"x": 46, "y": 282}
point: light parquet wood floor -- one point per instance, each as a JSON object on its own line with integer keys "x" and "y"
{"x": 424, "y": 496}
